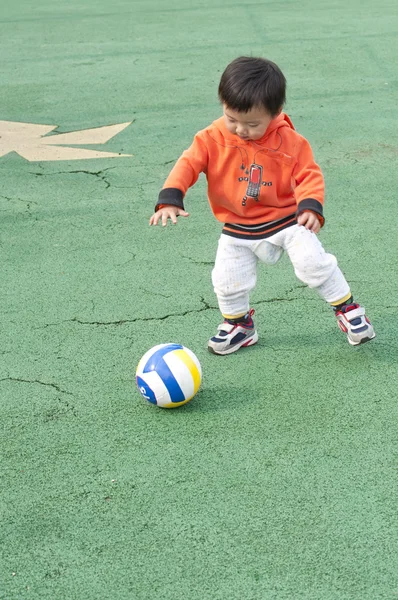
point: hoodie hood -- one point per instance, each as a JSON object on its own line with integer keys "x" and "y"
{"x": 282, "y": 120}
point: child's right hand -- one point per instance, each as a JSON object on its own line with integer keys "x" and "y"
{"x": 167, "y": 212}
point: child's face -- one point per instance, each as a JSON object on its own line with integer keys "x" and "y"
{"x": 249, "y": 125}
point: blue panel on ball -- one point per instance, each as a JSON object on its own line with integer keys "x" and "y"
{"x": 158, "y": 364}
{"x": 152, "y": 363}
{"x": 145, "y": 390}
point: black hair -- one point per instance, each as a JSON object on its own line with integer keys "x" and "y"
{"x": 250, "y": 82}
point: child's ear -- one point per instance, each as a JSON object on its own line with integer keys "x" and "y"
{"x": 279, "y": 111}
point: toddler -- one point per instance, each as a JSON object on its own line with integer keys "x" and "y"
{"x": 266, "y": 188}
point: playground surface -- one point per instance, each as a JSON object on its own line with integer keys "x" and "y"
{"x": 278, "y": 481}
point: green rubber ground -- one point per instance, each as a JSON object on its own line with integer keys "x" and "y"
{"x": 279, "y": 480}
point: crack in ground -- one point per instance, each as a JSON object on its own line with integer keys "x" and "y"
{"x": 124, "y": 321}
{"x": 283, "y": 299}
{"x": 94, "y": 173}
{"x": 276, "y": 300}
{"x": 198, "y": 262}
{"x": 144, "y": 320}
{"x": 37, "y": 381}
{"x": 27, "y": 203}
{"x": 183, "y": 314}
{"x": 127, "y": 261}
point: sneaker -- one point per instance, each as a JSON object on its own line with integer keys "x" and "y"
{"x": 231, "y": 336}
{"x": 355, "y": 324}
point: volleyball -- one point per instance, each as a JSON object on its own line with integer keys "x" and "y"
{"x": 168, "y": 375}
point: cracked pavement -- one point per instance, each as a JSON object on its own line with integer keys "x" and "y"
{"x": 36, "y": 382}
{"x": 99, "y": 174}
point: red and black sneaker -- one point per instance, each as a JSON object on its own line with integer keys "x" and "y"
{"x": 355, "y": 324}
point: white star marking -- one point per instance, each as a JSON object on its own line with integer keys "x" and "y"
{"x": 26, "y": 139}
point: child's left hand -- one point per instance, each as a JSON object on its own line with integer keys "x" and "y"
{"x": 309, "y": 220}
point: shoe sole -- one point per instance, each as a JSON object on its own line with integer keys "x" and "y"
{"x": 363, "y": 341}
{"x": 253, "y": 340}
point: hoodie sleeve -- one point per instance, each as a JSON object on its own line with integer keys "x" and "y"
{"x": 310, "y": 187}
{"x": 185, "y": 173}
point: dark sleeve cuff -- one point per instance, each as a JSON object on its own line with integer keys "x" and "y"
{"x": 313, "y": 205}
{"x": 171, "y": 196}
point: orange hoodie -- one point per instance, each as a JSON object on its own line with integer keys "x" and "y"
{"x": 255, "y": 188}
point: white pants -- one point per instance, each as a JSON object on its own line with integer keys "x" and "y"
{"x": 235, "y": 270}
